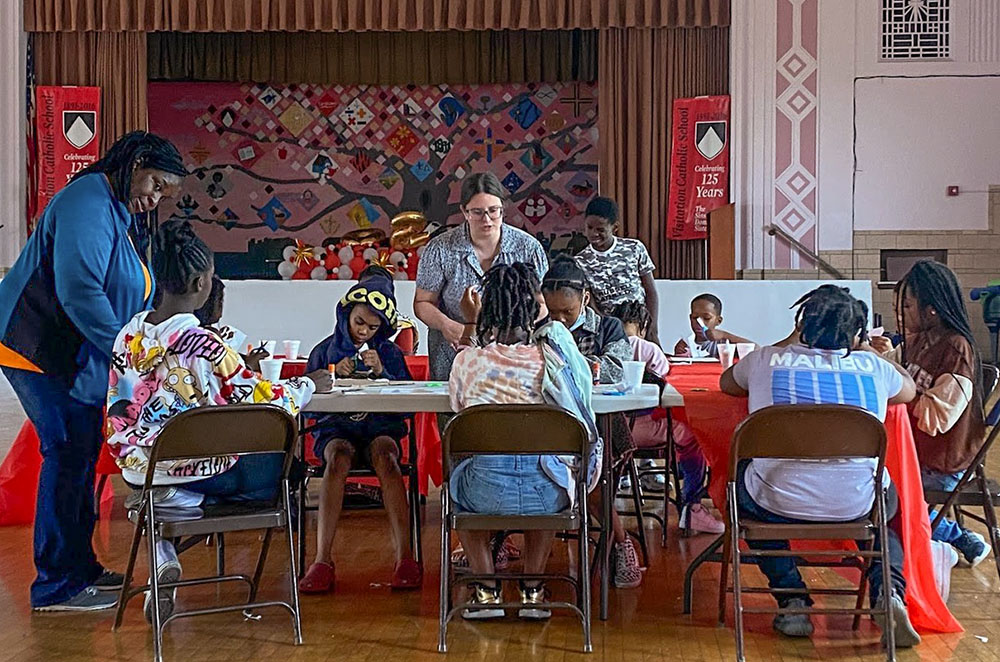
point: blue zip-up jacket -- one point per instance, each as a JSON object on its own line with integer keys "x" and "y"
{"x": 77, "y": 282}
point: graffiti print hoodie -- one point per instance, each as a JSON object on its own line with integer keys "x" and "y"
{"x": 161, "y": 370}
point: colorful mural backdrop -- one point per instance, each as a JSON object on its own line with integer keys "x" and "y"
{"x": 310, "y": 162}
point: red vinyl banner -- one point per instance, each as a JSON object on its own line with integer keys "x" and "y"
{"x": 66, "y": 120}
{"x": 699, "y": 165}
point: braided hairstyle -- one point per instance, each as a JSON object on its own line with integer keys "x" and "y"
{"x": 179, "y": 256}
{"x": 509, "y": 301}
{"x": 829, "y": 319}
{"x": 632, "y": 312}
{"x": 933, "y": 284}
{"x": 565, "y": 274}
{"x": 138, "y": 149}
{"x": 211, "y": 312}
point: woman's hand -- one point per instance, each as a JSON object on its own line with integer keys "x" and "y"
{"x": 322, "y": 380}
{"x": 471, "y": 304}
{"x": 346, "y": 367}
{"x": 880, "y": 344}
{"x": 373, "y": 361}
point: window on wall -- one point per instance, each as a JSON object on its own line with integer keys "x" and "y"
{"x": 916, "y": 29}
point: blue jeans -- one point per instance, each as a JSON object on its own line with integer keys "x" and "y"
{"x": 947, "y": 531}
{"x": 782, "y": 572}
{"x": 252, "y": 478}
{"x": 70, "y": 435}
{"x": 506, "y": 485}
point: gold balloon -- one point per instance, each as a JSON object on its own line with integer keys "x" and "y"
{"x": 365, "y": 236}
{"x": 407, "y": 231}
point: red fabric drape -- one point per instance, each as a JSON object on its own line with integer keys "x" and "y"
{"x": 365, "y": 15}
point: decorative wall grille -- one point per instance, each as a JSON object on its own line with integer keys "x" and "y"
{"x": 916, "y": 29}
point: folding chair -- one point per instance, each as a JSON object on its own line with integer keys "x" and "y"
{"x": 975, "y": 489}
{"x": 204, "y": 433}
{"x": 516, "y": 430}
{"x": 408, "y": 465}
{"x": 807, "y": 432}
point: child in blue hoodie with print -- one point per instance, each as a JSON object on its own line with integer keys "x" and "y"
{"x": 360, "y": 347}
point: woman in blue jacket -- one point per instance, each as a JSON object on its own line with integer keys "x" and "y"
{"x": 77, "y": 282}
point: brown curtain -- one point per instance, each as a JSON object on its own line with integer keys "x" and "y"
{"x": 640, "y": 73}
{"x": 365, "y": 15}
{"x": 393, "y": 58}
{"x": 113, "y": 61}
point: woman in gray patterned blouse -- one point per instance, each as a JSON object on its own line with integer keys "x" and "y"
{"x": 453, "y": 265}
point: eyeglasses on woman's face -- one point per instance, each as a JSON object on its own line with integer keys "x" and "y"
{"x": 478, "y": 213}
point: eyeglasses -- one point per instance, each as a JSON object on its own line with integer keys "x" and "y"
{"x": 492, "y": 212}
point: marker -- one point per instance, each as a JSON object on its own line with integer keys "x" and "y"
{"x": 333, "y": 373}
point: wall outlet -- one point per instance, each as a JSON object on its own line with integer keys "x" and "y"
{"x": 952, "y": 191}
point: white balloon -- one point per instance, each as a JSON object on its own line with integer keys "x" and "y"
{"x": 288, "y": 252}
{"x": 400, "y": 275}
{"x": 370, "y": 253}
{"x": 318, "y": 273}
{"x": 346, "y": 254}
{"x": 286, "y": 269}
{"x": 397, "y": 258}
{"x": 319, "y": 252}
{"x": 344, "y": 272}
{"x": 420, "y": 251}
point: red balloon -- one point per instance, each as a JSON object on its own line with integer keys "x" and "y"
{"x": 331, "y": 261}
{"x": 358, "y": 265}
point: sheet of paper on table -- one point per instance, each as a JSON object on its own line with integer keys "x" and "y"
{"x": 688, "y": 359}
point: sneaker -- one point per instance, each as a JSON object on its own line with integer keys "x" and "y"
{"x": 906, "y": 636}
{"x": 625, "y": 483}
{"x": 109, "y": 581}
{"x": 168, "y": 571}
{"x": 530, "y": 596}
{"x": 973, "y": 547}
{"x": 89, "y": 599}
{"x": 484, "y": 598}
{"x": 695, "y": 518}
{"x": 627, "y": 570}
{"x": 653, "y": 483}
{"x": 945, "y": 557}
{"x": 794, "y": 625}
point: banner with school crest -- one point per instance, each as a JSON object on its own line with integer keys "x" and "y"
{"x": 699, "y": 165}
{"x": 66, "y": 130}
{"x": 311, "y": 162}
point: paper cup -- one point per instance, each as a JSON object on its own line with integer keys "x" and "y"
{"x": 632, "y": 374}
{"x": 270, "y": 369}
{"x": 270, "y": 346}
{"x": 744, "y": 348}
{"x": 291, "y": 348}
{"x": 727, "y": 352}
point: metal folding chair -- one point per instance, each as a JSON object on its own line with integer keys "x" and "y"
{"x": 516, "y": 430}
{"x": 812, "y": 432}
{"x": 204, "y": 433}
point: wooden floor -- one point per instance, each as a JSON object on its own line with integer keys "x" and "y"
{"x": 364, "y": 620}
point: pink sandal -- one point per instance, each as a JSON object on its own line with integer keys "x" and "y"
{"x": 320, "y": 578}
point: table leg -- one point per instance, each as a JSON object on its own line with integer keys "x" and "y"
{"x": 698, "y": 561}
{"x": 607, "y": 501}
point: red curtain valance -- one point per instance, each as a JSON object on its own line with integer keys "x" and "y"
{"x": 365, "y": 15}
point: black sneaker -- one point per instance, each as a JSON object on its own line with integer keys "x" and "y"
{"x": 109, "y": 581}
{"x": 973, "y": 547}
{"x": 89, "y": 599}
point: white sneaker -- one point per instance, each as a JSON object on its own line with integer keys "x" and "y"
{"x": 945, "y": 558}
{"x": 168, "y": 570}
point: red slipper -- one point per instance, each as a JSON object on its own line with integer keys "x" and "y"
{"x": 408, "y": 574}
{"x": 320, "y": 578}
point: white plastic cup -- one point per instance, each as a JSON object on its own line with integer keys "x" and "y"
{"x": 632, "y": 372}
{"x": 744, "y": 348}
{"x": 727, "y": 354}
{"x": 270, "y": 369}
{"x": 270, "y": 346}
{"x": 292, "y": 349}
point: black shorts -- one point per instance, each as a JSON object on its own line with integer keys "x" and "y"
{"x": 359, "y": 434}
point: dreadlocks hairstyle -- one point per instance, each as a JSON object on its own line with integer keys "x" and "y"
{"x": 137, "y": 149}
{"x": 829, "y": 319}
{"x": 509, "y": 300}
{"x": 933, "y": 284}
{"x": 565, "y": 274}
{"x": 632, "y": 312}
{"x": 712, "y": 299}
{"x": 213, "y": 305}
{"x": 178, "y": 256}
{"x": 861, "y": 308}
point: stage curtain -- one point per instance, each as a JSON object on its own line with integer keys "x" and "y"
{"x": 365, "y": 15}
{"x": 113, "y": 61}
{"x": 388, "y": 58}
{"x": 641, "y": 72}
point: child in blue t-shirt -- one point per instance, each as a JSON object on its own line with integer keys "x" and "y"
{"x": 360, "y": 347}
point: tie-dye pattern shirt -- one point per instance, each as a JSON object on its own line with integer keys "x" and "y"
{"x": 497, "y": 375}
{"x": 161, "y": 370}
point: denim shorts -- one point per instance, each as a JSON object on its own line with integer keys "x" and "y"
{"x": 506, "y": 485}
